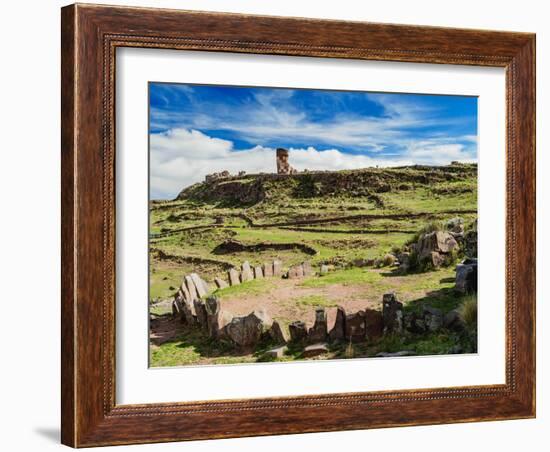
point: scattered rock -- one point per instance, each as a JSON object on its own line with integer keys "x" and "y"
{"x": 246, "y": 273}
{"x": 395, "y": 354}
{"x": 374, "y": 324}
{"x": 298, "y": 331}
{"x": 277, "y": 352}
{"x": 338, "y": 331}
{"x": 414, "y": 323}
{"x": 233, "y": 276}
{"x": 220, "y": 283}
{"x": 455, "y": 225}
{"x": 258, "y": 272}
{"x": 318, "y": 333}
{"x": 436, "y": 247}
{"x": 453, "y": 321}
{"x": 433, "y": 318}
{"x": 392, "y": 313}
{"x": 404, "y": 259}
{"x": 356, "y": 327}
{"x": 315, "y": 350}
{"x": 247, "y": 331}
{"x": 278, "y": 333}
{"x": 388, "y": 260}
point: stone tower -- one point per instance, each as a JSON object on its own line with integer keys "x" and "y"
{"x": 283, "y": 167}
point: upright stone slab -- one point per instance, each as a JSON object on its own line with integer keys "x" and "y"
{"x": 215, "y": 316}
{"x": 268, "y": 269}
{"x": 177, "y": 310}
{"x": 184, "y": 291}
{"x": 277, "y": 268}
{"x": 356, "y": 330}
{"x": 338, "y": 331}
{"x": 258, "y": 272}
{"x": 392, "y": 313}
{"x": 220, "y": 283}
{"x": 277, "y": 333}
{"x": 324, "y": 269}
{"x": 193, "y": 295}
{"x": 246, "y": 272}
{"x": 202, "y": 317}
{"x": 295, "y": 272}
{"x": 199, "y": 285}
{"x": 318, "y": 332}
{"x": 307, "y": 269}
{"x": 233, "y": 276}
{"x": 374, "y": 324}
{"x": 298, "y": 331}
{"x": 188, "y": 310}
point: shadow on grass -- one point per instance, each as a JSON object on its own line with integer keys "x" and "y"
{"x": 445, "y": 299}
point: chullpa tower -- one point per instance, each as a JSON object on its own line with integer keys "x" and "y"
{"x": 283, "y": 167}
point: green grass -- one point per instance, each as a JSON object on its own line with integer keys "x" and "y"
{"x": 345, "y": 277}
{"x": 254, "y": 287}
{"x": 315, "y": 300}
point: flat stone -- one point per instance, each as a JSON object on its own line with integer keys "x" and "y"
{"x": 278, "y": 352}
{"x": 246, "y": 272}
{"x": 233, "y": 276}
{"x": 220, "y": 283}
{"x": 277, "y": 268}
{"x": 268, "y": 270}
{"x": 258, "y": 272}
{"x": 315, "y": 350}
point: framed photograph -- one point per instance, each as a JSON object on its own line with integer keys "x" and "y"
{"x": 282, "y": 225}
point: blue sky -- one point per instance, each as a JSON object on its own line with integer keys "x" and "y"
{"x": 198, "y": 129}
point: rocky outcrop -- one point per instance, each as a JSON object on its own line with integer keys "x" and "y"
{"x": 247, "y": 331}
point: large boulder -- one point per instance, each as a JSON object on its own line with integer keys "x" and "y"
{"x": 433, "y": 318}
{"x": 466, "y": 276}
{"x": 453, "y": 321}
{"x": 436, "y": 248}
{"x": 392, "y": 314}
{"x": 247, "y": 331}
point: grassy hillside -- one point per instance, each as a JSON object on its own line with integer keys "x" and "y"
{"x": 343, "y": 215}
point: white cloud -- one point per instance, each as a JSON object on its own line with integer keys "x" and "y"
{"x": 182, "y": 157}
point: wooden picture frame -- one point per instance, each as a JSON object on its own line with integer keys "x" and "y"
{"x": 90, "y": 36}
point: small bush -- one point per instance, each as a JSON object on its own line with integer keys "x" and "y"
{"x": 468, "y": 311}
